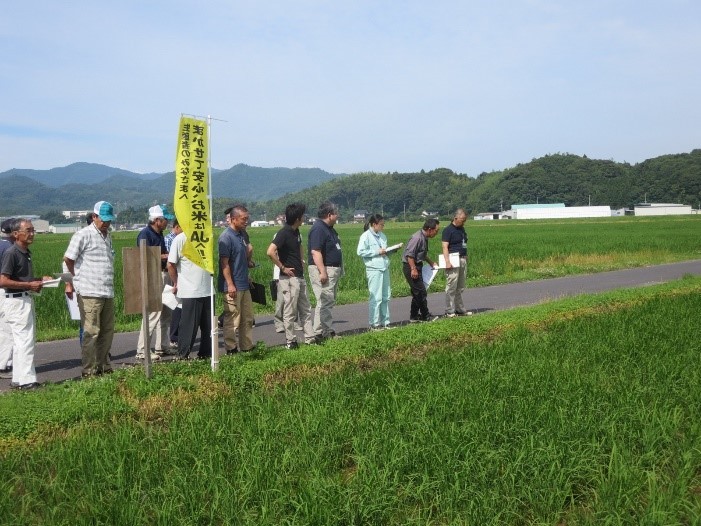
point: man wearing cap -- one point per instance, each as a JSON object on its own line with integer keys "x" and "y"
{"x": 158, "y": 322}
{"x": 5, "y": 331}
{"x": 17, "y": 278}
{"x": 90, "y": 259}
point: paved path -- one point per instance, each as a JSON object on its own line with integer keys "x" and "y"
{"x": 60, "y": 360}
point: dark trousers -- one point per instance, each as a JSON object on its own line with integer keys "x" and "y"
{"x": 419, "y": 303}
{"x": 174, "y": 324}
{"x": 196, "y": 314}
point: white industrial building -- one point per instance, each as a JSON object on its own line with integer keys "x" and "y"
{"x": 661, "y": 209}
{"x": 556, "y": 211}
{"x": 66, "y": 228}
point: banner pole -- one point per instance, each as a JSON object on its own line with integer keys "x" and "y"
{"x": 214, "y": 321}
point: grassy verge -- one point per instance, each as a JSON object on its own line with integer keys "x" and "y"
{"x": 582, "y": 411}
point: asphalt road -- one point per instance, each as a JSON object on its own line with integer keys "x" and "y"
{"x": 60, "y": 360}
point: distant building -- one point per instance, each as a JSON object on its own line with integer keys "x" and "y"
{"x": 75, "y": 214}
{"x": 660, "y": 209}
{"x": 256, "y": 224}
{"x": 556, "y": 211}
{"x": 65, "y": 228}
{"x": 489, "y": 216}
{"x": 359, "y": 216}
{"x": 429, "y": 215}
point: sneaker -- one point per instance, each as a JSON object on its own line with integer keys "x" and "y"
{"x": 167, "y": 352}
{"x": 232, "y": 351}
{"x": 430, "y": 317}
{"x": 154, "y": 356}
{"x": 451, "y": 314}
{"x": 291, "y": 345}
{"x": 27, "y": 387}
{"x": 375, "y": 328}
{"x": 460, "y": 312}
{"x": 415, "y": 320}
{"x": 173, "y": 345}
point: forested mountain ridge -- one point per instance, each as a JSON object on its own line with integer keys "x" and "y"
{"x": 79, "y": 185}
{"x": 557, "y": 178}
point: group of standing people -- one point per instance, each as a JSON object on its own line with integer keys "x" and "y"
{"x": 89, "y": 259}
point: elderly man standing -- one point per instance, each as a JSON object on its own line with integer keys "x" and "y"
{"x": 193, "y": 285}
{"x": 5, "y": 331}
{"x": 90, "y": 259}
{"x": 454, "y": 241}
{"x": 158, "y": 322}
{"x": 234, "y": 283}
{"x": 17, "y": 278}
{"x": 415, "y": 254}
{"x": 325, "y": 267}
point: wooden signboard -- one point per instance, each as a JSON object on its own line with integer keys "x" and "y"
{"x": 132, "y": 273}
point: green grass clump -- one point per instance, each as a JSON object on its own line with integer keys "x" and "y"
{"x": 581, "y": 411}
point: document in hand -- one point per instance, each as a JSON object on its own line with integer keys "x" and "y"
{"x": 391, "y": 249}
{"x": 427, "y": 274}
{"x": 454, "y": 260}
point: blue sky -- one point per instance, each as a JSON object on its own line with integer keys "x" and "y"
{"x": 349, "y": 86}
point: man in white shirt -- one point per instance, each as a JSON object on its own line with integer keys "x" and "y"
{"x": 192, "y": 284}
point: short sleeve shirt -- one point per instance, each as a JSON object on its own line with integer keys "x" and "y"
{"x": 17, "y": 264}
{"x": 232, "y": 245}
{"x": 456, "y": 237}
{"x": 416, "y": 248}
{"x": 288, "y": 241}
{"x": 324, "y": 239}
{"x": 193, "y": 280}
{"x": 153, "y": 239}
{"x": 94, "y": 262}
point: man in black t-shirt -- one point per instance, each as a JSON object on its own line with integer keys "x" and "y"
{"x": 325, "y": 267}
{"x": 287, "y": 254}
{"x": 454, "y": 241}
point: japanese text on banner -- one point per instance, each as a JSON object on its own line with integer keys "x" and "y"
{"x": 191, "y": 201}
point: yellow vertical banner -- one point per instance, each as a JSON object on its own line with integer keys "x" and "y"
{"x": 191, "y": 199}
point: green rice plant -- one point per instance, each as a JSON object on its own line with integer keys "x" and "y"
{"x": 499, "y": 252}
{"x": 581, "y": 411}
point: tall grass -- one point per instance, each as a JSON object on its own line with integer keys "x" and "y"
{"x": 583, "y": 411}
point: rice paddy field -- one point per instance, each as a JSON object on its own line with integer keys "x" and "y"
{"x": 585, "y": 410}
{"x": 580, "y": 411}
{"x": 499, "y": 252}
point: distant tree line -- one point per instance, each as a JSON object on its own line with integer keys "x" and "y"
{"x": 557, "y": 178}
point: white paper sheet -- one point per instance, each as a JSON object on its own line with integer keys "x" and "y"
{"x": 169, "y": 299}
{"x": 72, "y": 304}
{"x": 454, "y": 260}
{"x": 427, "y": 274}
